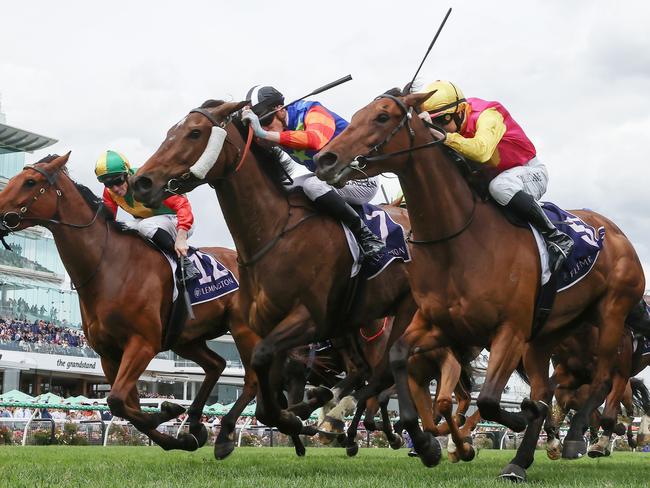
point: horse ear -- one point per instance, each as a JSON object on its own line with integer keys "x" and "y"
{"x": 61, "y": 160}
{"x": 416, "y": 99}
{"x": 236, "y": 106}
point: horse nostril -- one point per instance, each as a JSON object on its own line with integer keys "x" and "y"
{"x": 142, "y": 184}
{"x": 327, "y": 160}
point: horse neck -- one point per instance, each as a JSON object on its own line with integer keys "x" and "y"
{"x": 254, "y": 209}
{"x": 81, "y": 250}
{"x": 439, "y": 200}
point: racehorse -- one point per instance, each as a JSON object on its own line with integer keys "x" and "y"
{"x": 295, "y": 266}
{"x": 486, "y": 278}
{"x": 574, "y": 362}
{"x": 124, "y": 308}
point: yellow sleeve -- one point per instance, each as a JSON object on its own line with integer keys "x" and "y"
{"x": 489, "y": 131}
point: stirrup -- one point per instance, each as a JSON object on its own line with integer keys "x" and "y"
{"x": 188, "y": 270}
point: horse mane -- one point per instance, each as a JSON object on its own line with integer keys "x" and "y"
{"x": 270, "y": 161}
{"x": 395, "y": 92}
{"x": 93, "y": 201}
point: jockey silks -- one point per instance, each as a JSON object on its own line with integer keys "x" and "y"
{"x": 512, "y": 149}
{"x": 309, "y": 127}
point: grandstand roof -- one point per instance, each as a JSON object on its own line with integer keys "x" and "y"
{"x": 13, "y": 139}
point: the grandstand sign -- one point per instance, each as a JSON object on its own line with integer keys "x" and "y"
{"x": 68, "y": 364}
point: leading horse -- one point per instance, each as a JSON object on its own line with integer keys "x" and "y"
{"x": 487, "y": 276}
{"x": 125, "y": 293}
{"x": 295, "y": 266}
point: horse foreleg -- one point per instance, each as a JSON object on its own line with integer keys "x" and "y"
{"x": 213, "y": 365}
{"x": 536, "y": 362}
{"x": 612, "y": 313}
{"x": 505, "y": 353}
{"x": 608, "y": 417}
{"x": 426, "y": 445}
{"x": 294, "y": 330}
{"x": 137, "y": 355}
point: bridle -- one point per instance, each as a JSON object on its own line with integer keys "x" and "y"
{"x": 360, "y": 162}
{"x": 7, "y": 219}
{"x": 174, "y": 185}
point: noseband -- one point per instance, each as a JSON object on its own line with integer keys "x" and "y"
{"x": 360, "y": 162}
{"x": 208, "y": 159}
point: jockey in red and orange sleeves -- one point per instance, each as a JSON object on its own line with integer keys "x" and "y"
{"x": 301, "y": 129}
{"x": 168, "y": 226}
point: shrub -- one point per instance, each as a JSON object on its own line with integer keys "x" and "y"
{"x": 42, "y": 437}
{"x": 6, "y": 436}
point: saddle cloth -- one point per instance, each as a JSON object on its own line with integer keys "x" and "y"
{"x": 384, "y": 227}
{"x": 215, "y": 281}
{"x": 588, "y": 244}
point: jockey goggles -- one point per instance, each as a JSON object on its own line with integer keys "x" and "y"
{"x": 443, "y": 119}
{"x": 115, "y": 181}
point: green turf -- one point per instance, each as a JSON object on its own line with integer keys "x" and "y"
{"x": 93, "y": 467}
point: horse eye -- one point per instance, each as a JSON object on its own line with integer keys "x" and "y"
{"x": 195, "y": 134}
{"x": 30, "y": 182}
{"x": 383, "y": 117}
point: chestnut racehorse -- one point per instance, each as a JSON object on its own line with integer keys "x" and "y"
{"x": 125, "y": 294}
{"x": 475, "y": 278}
{"x": 294, "y": 264}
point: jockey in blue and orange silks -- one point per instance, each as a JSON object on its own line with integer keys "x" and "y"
{"x": 301, "y": 129}
{"x": 486, "y": 132}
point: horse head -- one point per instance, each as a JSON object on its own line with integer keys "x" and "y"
{"x": 31, "y": 197}
{"x": 193, "y": 153}
{"x": 384, "y": 125}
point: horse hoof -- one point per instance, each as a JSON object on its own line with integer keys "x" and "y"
{"x": 554, "y": 453}
{"x": 471, "y": 453}
{"x": 453, "y": 457}
{"x": 596, "y": 451}
{"x": 188, "y": 442}
{"x": 352, "y": 450}
{"x": 620, "y": 429}
{"x": 513, "y": 473}
{"x": 172, "y": 410}
{"x": 331, "y": 426}
{"x": 201, "y": 434}
{"x": 224, "y": 449}
{"x": 431, "y": 454}
{"x": 321, "y": 394}
{"x": 300, "y": 450}
{"x": 309, "y": 430}
{"x": 574, "y": 449}
{"x": 397, "y": 442}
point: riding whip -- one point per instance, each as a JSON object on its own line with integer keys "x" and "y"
{"x": 410, "y": 85}
{"x": 323, "y": 88}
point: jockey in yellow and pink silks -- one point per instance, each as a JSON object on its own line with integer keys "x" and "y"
{"x": 486, "y": 132}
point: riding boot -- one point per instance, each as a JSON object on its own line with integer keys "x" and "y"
{"x": 165, "y": 242}
{"x": 332, "y": 204}
{"x": 559, "y": 244}
{"x": 639, "y": 319}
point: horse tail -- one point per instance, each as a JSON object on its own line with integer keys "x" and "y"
{"x": 639, "y": 318}
{"x": 521, "y": 372}
{"x": 640, "y": 395}
{"x": 467, "y": 374}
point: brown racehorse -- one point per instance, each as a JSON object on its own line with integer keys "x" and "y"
{"x": 475, "y": 278}
{"x": 123, "y": 307}
{"x": 574, "y": 362}
{"x": 294, "y": 263}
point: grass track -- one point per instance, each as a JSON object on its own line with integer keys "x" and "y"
{"x": 94, "y": 467}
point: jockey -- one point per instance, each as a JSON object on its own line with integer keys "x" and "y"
{"x": 168, "y": 226}
{"x": 485, "y": 132}
{"x": 301, "y": 130}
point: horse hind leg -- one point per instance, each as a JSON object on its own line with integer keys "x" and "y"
{"x": 213, "y": 365}
{"x": 608, "y": 417}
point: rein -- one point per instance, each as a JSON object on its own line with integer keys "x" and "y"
{"x": 231, "y": 170}
{"x": 361, "y": 162}
{"x": 376, "y": 334}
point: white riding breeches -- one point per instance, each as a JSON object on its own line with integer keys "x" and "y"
{"x": 148, "y": 227}
{"x": 531, "y": 178}
{"x": 355, "y": 191}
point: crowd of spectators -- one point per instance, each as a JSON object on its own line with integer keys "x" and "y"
{"x": 42, "y": 336}
{"x": 55, "y": 414}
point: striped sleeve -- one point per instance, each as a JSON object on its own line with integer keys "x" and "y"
{"x": 319, "y": 130}
{"x": 490, "y": 128}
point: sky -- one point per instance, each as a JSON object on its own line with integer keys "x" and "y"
{"x": 116, "y": 75}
